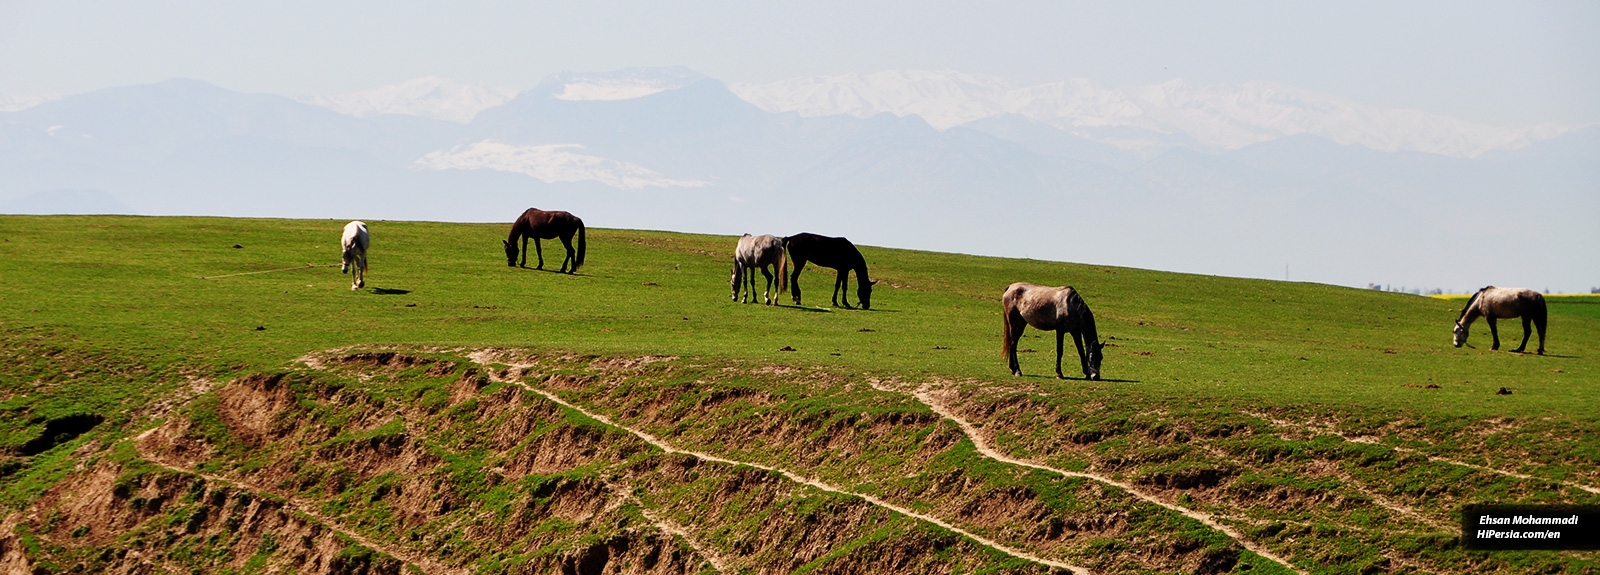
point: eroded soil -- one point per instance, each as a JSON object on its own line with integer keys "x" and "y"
{"x": 511, "y": 461}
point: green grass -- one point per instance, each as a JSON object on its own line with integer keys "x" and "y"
{"x": 108, "y": 315}
{"x": 132, "y": 285}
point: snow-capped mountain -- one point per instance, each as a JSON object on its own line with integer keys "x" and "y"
{"x": 446, "y": 99}
{"x": 624, "y": 84}
{"x": 1149, "y": 118}
{"x": 429, "y": 97}
{"x": 550, "y": 163}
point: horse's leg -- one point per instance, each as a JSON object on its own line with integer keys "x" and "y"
{"x": 524, "y": 262}
{"x": 1083, "y": 359}
{"x": 1494, "y": 333}
{"x": 1539, "y": 323}
{"x": 571, "y": 255}
{"x": 1527, "y": 330}
{"x": 794, "y": 279}
{"x": 1060, "y": 338}
{"x": 767, "y": 297}
{"x": 750, "y": 284}
{"x": 538, "y": 249}
{"x": 1015, "y": 326}
{"x": 841, "y": 287}
{"x": 750, "y": 275}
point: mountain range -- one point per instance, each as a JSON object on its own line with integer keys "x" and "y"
{"x": 1223, "y": 180}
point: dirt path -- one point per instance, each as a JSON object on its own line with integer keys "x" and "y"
{"x": 425, "y": 564}
{"x": 484, "y": 357}
{"x": 668, "y": 526}
{"x": 1370, "y": 441}
{"x": 940, "y": 407}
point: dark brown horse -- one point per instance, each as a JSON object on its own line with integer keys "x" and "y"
{"x": 538, "y": 224}
{"x": 1494, "y": 303}
{"x": 836, "y": 253}
{"x": 1060, "y": 310}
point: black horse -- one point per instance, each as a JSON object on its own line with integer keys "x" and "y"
{"x": 836, "y": 253}
{"x": 536, "y": 224}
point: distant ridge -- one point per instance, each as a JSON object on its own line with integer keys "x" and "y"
{"x": 697, "y": 157}
{"x": 1221, "y": 117}
{"x": 430, "y": 97}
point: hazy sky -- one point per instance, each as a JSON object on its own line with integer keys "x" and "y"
{"x": 1511, "y": 63}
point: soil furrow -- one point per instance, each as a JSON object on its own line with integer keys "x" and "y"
{"x": 484, "y": 358}
{"x": 1369, "y": 441}
{"x": 983, "y": 447}
{"x": 423, "y": 563}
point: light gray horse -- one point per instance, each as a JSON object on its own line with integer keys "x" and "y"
{"x": 1504, "y": 303}
{"x": 758, "y": 252}
{"x": 355, "y": 254}
{"x": 1058, "y": 309}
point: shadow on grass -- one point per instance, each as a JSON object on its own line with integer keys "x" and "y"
{"x": 552, "y": 271}
{"x": 831, "y": 309}
{"x": 389, "y": 291}
{"x": 1070, "y": 378}
{"x": 805, "y": 308}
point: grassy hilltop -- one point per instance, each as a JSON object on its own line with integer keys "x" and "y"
{"x": 1334, "y": 428}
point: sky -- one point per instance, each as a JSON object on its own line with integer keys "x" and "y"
{"x": 1506, "y": 63}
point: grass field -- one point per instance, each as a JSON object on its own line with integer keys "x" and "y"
{"x": 108, "y": 315}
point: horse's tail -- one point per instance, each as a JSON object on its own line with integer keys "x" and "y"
{"x": 783, "y": 269}
{"x": 1007, "y": 305}
{"x": 1539, "y": 313}
{"x": 583, "y": 246}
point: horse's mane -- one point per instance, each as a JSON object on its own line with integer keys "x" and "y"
{"x": 1471, "y": 301}
{"x": 1078, "y": 308}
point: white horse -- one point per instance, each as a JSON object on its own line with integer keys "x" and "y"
{"x": 355, "y": 253}
{"x": 758, "y": 252}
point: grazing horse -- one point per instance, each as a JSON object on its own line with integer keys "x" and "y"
{"x": 836, "y": 253}
{"x": 1504, "y": 303}
{"x": 539, "y": 224}
{"x": 756, "y": 253}
{"x": 1051, "y": 308}
{"x": 355, "y": 254}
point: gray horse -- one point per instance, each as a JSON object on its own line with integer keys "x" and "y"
{"x": 756, "y": 253}
{"x": 1504, "y": 303}
{"x": 1058, "y": 309}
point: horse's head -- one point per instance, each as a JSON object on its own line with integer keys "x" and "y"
{"x": 1460, "y": 334}
{"x": 511, "y": 253}
{"x": 1096, "y": 353}
{"x": 733, "y": 281}
{"x": 864, "y": 294}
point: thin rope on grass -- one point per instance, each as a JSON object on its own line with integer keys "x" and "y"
{"x": 304, "y": 267}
